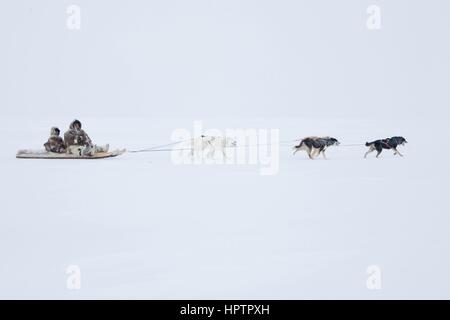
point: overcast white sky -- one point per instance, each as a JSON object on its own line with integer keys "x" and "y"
{"x": 148, "y": 229}
{"x": 239, "y": 58}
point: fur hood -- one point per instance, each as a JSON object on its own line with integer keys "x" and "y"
{"x": 73, "y": 123}
{"x": 54, "y": 132}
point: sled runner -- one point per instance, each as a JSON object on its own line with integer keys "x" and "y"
{"x": 41, "y": 154}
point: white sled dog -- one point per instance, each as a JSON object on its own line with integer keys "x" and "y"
{"x": 209, "y": 145}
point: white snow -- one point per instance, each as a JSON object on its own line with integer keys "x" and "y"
{"x": 139, "y": 226}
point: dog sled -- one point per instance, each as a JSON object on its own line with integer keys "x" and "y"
{"x": 42, "y": 154}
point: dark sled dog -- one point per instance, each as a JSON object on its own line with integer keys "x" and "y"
{"x": 388, "y": 143}
{"x": 316, "y": 145}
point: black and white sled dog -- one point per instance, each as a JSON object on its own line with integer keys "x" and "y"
{"x": 316, "y": 145}
{"x": 388, "y": 143}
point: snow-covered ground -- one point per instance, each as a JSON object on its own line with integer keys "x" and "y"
{"x": 139, "y": 226}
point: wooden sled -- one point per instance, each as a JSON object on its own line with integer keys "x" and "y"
{"x": 33, "y": 154}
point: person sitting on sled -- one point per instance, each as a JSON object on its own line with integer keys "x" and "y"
{"x": 78, "y": 142}
{"x": 55, "y": 143}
